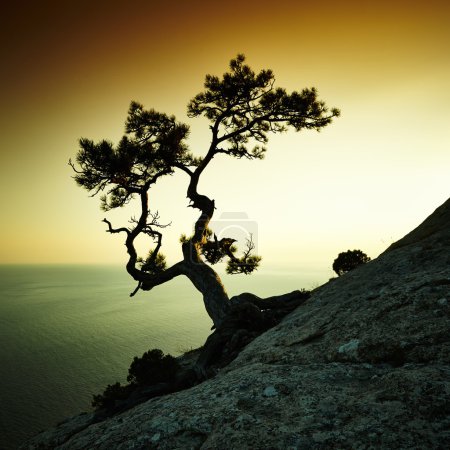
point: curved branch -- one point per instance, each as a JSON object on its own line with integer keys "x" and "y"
{"x": 150, "y": 263}
{"x": 149, "y": 281}
{"x": 146, "y": 280}
{"x": 183, "y": 168}
{"x": 199, "y": 201}
{"x": 129, "y": 243}
{"x": 115, "y": 230}
{"x": 71, "y": 164}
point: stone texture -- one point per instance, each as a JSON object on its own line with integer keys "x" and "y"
{"x": 364, "y": 363}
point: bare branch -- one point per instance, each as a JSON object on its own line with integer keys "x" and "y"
{"x": 115, "y": 230}
{"x": 71, "y": 164}
{"x": 100, "y": 187}
{"x": 183, "y": 168}
{"x": 153, "y": 223}
{"x": 132, "y": 294}
{"x": 155, "y": 220}
{"x": 250, "y": 246}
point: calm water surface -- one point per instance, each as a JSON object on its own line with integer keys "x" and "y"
{"x": 68, "y": 331}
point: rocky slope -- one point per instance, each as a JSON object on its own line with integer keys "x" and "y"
{"x": 364, "y": 363}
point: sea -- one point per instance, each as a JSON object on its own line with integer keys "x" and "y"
{"x": 67, "y": 331}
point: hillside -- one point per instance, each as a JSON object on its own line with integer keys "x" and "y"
{"x": 363, "y": 363}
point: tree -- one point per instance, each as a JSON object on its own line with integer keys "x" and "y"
{"x": 349, "y": 260}
{"x": 243, "y": 107}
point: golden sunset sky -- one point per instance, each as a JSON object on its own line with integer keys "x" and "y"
{"x": 71, "y": 68}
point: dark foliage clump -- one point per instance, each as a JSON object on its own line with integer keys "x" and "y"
{"x": 154, "y": 367}
{"x": 349, "y": 260}
{"x": 112, "y": 393}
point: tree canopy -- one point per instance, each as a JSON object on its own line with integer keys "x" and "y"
{"x": 243, "y": 106}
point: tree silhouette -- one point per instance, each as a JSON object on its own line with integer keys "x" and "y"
{"x": 243, "y": 107}
{"x": 349, "y": 260}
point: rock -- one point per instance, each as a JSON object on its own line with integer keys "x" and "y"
{"x": 363, "y": 363}
{"x": 270, "y": 391}
{"x": 350, "y": 348}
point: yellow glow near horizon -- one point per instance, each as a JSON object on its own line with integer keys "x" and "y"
{"x": 363, "y": 182}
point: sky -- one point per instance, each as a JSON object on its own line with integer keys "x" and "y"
{"x": 70, "y": 69}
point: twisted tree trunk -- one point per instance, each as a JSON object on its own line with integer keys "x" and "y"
{"x": 203, "y": 277}
{"x": 207, "y": 281}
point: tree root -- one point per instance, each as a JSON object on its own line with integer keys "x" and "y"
{"x": 249, "y": 316}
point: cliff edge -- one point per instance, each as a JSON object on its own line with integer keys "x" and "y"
{"x": 364, "y": 363}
